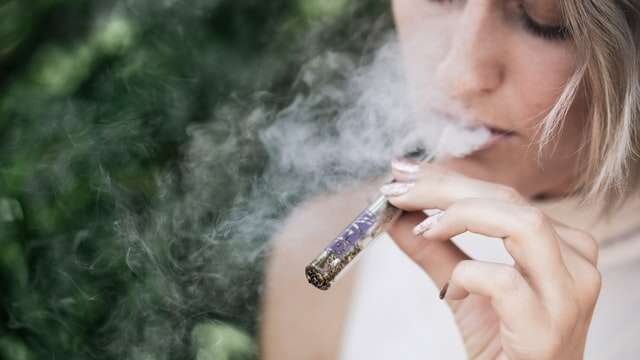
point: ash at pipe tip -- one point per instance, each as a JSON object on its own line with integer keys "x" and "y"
{"x": 347, "y": 246}
{"x": 324, "y": 270}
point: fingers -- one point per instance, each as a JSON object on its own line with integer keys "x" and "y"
{"x": 528, "y": 236}
{"x": 431, "y": 186}
{"x": 554, "y": 259}
{"x": 438, "y": 259}
{"x": 545, "y": 329}
{"x": 580, "y": 253}
{"x": 422, "y": 186}
{"x": 580, "y": 241}
{"x": 511, "y": 296}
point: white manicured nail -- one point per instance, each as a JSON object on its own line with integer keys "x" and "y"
{"x": 427, "y": 224}
{"x": 431, "y": 212}
{"x": 405, "y": 166}
{"x": 396, "y": 189}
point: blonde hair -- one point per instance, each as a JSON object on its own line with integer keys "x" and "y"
{"x": 606, "y": 35}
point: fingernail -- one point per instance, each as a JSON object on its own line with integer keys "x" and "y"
{"x": 427, "y": 224}
{"x": 421, "y": 227}
{"x": 443, "y": 292}
{"x": 396, "y": 189}
{"x": 405, "y": 166}
{"x": 431, "y": 212}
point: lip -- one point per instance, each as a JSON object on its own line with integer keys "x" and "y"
{"x": 496, "y": 137}
{"x": 498, "y": 134}
{"x": 472, "y": 121}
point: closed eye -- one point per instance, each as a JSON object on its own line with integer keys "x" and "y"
{"x": 547, "y": 32}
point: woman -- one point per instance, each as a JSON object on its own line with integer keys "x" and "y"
{"x": 559, "y": 74}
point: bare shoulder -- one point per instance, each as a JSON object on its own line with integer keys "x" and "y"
{"x": 299, "y": 321}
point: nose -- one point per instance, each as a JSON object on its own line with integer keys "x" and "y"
{"x": 474, "y": 63}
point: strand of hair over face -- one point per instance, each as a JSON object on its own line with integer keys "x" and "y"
{"x": 606, "y": 35}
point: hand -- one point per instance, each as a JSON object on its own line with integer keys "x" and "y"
{"x": 539, "y": 308}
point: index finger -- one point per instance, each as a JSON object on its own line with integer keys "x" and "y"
{"x": 437, "y": 187}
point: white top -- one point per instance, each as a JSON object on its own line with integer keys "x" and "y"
{"x": 395, "y": 312}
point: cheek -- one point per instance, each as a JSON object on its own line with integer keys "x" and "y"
{"x": 561, "y": 154}
{"x": 537, "y": 72}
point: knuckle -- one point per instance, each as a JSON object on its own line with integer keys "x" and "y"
{"x": 533, "y": 218}
{"x": 592, "y": 279}
{"x": 508, "y": 280}
{"x": 509, "y": 194}
{"x": 461, "y": 270}
{"x": 590, "y": 246}
{"x": 458, "y": 208}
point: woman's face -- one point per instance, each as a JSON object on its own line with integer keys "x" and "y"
{"x": 502, "y": 64}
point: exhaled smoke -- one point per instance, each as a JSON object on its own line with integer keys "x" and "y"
{"x": 353, "y": 131}
{"x": 202, "y": 247}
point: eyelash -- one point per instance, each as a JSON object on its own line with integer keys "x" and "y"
{"x": 551, "y": 33}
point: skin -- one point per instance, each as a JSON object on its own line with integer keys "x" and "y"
{"x": 482, "y": 63}
{"x": 492, "y": 69}
{"x": 472, "y": 60}
{"x": 539, "y": 308}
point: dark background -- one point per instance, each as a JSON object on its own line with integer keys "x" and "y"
{"x": 96, "y": 99}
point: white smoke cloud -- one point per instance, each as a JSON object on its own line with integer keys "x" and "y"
{"x": 343, "y": 128}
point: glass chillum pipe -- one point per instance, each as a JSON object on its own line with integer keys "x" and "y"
{"x": 373, "y": 221}
{"x": 344, "y": 249}
{"x": 376, "y": 219}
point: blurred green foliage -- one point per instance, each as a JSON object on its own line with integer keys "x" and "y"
{"x": 95, "y": 100}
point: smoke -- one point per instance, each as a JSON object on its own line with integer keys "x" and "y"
{"x": 201, "y": 248}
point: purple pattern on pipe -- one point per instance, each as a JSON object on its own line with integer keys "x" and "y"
{"x": 354, "y": 232}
